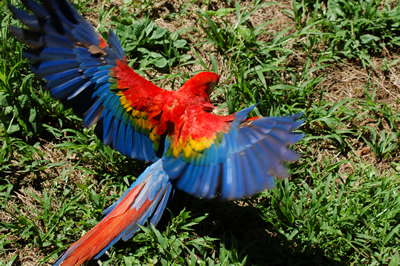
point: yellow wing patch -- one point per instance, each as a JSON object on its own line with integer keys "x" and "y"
{"x": 191, "y": 148}
{"x": 140, "y": 119}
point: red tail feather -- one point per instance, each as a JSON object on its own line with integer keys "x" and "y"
{"x": 145, "y": 199}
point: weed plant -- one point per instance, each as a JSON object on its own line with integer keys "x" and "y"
{"x": 341, "y": 204}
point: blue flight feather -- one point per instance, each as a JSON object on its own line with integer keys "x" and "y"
{"x": 263, "y": 141}
{"x": 65, "y": 49}
{"x": 48, "y": 68}
{"x": 64, "y": 90}
{"x": 37, "y": 9}
{"x": 62, "y": 77}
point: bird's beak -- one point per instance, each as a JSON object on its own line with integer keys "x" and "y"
{"x": 211, "y": 87}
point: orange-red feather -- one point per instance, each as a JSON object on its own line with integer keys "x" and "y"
{"x": 109, "y": 228}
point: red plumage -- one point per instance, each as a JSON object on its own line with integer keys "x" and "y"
{"x": 181, "y": 114}
{"x": 192, "y": 149}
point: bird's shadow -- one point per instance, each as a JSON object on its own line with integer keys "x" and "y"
{"x": 241, "y": 228}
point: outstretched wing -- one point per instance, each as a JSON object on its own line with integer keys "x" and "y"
{"x": 92, "y": 77}
{"x": 230, "y": 155}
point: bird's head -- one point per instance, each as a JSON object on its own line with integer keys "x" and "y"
{"x": 201, "y": 84}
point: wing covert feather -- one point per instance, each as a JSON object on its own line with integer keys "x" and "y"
{"x": 239, "y": 160}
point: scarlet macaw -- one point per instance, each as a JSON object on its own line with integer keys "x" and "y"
{"x": 192, "y": 149}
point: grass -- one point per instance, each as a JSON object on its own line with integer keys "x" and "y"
{"x": 336, "y": 61}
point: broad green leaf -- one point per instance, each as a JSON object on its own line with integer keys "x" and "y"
{"x": 158, "y": 33}
{"x": 368, "y": 38}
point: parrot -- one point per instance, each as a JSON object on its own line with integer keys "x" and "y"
{"x": 191, "y": 148}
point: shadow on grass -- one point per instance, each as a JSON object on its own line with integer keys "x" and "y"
{"x": 242, "y": 229}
